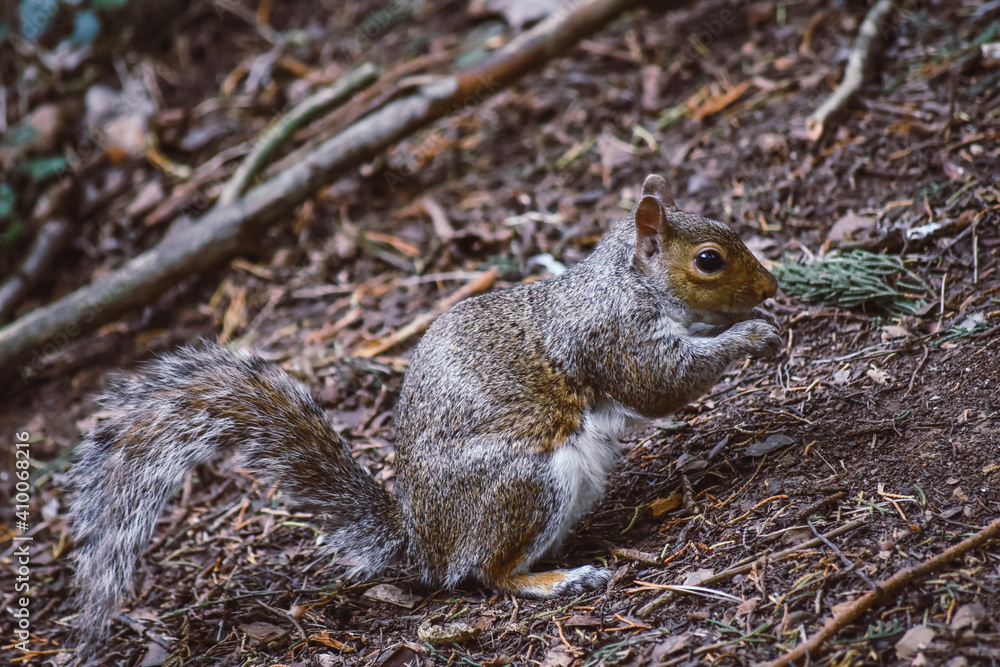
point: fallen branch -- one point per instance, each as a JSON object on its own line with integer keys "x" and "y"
{"x": 49, "y": 215}
{"x": 386, "y": 88}
{"x": 748, "y": 564}
{"x": 226, "y": 230}
{"x": 854, "y": 74}
{"x": 282, "y": 128}
{"x": 50, "y": 240}
{"x": 846, "y": 613}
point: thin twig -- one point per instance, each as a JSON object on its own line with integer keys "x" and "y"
{"x": 917, "y": 371}
{"x": 854, "y": 75}
{"x": 840, "y": 554}
{"x": 421, "y": 323}
{"x": 286, "y": 616}
{"x": 243, "y": 596}
{"x": 746, "y": 565}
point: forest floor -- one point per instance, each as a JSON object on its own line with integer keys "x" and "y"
{"x": 884, "y": 426}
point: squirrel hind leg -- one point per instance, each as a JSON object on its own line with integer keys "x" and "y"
{"x": 507, "y": 568}
{"x": 555, "y": 583}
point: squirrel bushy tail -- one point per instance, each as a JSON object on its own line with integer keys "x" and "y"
{"x": 184, "y": 410}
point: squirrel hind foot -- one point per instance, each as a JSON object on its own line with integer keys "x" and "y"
{"x": 555, "y": 583}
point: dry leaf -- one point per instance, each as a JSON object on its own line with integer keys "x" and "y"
{"x": 614, "y": 152}
{"x": 558, "y": 657}
{"x": 403, "y": 656}
{"x": 446, "y": 633}
{"x": 773, "y": 442}
{"x": 847, "y": 227}
{"x": 747, "y": 606}
{"x": 392, "y": 595}
{"x": 670, "y": 645}
{"x": 843, "y": 376}
{"x": 499, "y": 661}
{"x": 696, "y": 577}
{"x": 893, "y": 331}
{"x": 772, "y": 143}
{"x": 968, "y": 616}
{"x": 878, "y": 375}
{"x": 661, "y": 506}
{"x": 796, "y": 536}
{"x": 325, "y": 639}
{"x": 38, "y": 132}
{"x": 719, "y": 100}
{"x": 262, "y": 631}
{"x": 916, "y": 638}
{"x": 155, "y": 656}
{"x": 519, "y": 12}
{"x": 582, "y": 621}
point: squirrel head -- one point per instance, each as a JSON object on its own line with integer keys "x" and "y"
{"x": 698, "y": 260}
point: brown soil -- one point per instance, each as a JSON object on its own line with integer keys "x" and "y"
{"x": 898, "y": 426}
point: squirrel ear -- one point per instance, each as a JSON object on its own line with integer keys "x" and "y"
{"x": 656, "y": 186}
{"x": 649, "y": 224}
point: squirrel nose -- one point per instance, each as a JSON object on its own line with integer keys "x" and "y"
{"x": 771, "y": 288}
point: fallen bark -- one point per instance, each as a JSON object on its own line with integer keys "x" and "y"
{"x": 224, "y": 232}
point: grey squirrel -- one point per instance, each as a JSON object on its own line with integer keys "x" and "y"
{"x": 507, "y": 422}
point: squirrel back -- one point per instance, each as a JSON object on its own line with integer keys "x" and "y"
{"x": 508, "y": 420}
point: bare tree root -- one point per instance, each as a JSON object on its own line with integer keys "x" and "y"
{"x": 854, "y": 75}
{"x": 846, "y": 613}
{"x": 225, "y": 231}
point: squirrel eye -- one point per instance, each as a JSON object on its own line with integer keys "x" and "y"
{"x": 709, "y": 261}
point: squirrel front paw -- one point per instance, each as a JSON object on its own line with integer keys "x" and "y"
{"x": 759, "y": 338}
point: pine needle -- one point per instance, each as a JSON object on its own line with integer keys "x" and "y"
{"x": 855, "y": 278}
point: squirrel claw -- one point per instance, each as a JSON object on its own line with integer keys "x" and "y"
{"x": 759, "y": 313}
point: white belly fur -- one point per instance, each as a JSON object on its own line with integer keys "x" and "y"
{"x": 581, "y": 464}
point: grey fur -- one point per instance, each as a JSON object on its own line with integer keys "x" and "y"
{"x": 184, "y": 410}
